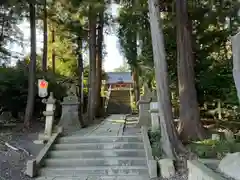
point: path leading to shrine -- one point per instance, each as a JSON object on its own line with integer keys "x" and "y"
{"x": 102, "y": 151}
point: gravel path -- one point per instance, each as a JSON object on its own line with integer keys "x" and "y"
{"x": 13, "y": 163}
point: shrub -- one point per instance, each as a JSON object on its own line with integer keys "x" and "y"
{"x": 155, "y": 138}
{"x": 14, "y": 90}
{"x": 214, "y": 149}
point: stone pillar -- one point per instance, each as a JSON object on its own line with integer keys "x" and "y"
{"x": 236, "y": 61}
{"x": 70, "y": 119}
{"x": 154, "y": 116}
{"x": 154, "y": 95}
{"x": 49, "y": 114}
{"x": 144, "y": 115}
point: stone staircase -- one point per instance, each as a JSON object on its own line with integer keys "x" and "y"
{"x": 119, "y": 102}
{"x": 79, "y": 157}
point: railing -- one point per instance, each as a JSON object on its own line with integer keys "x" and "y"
{"x": 107, "y": 98}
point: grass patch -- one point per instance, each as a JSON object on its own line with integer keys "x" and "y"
{"x": 213, "y": 149}
{"x": 155, "y": 138}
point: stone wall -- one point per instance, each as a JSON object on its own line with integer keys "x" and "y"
{"x": 197, "y": 170}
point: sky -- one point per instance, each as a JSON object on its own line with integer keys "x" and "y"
{"x": 112, "y": 60}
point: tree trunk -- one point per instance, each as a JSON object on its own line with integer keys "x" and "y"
{"x": 32, "y": 67}
{"x": 135, "y": 68}
{"x": 169, "y": 141}
{"x": 53, "y": 51}
{"x": 99, "y": 60}
{"x": 80, "y": 81}
{"x": 190, "y": 126}
{"x": 92, "y": 66}
{"x": 45, "y": 38}
{"x": 136, "y": 84}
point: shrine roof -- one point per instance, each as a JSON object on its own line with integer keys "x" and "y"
{"x": 115, "y": 77}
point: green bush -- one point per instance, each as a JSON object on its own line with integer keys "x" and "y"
{"x": 14, "y": 90}
{"x": 213, "y": 149}
{"x": 155, "y": 138}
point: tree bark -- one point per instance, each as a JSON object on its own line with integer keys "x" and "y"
{"x": 32, "y": 67}
{"x": 53, "y": 51}
{"x": 99, "y": 60}
{"x": 80, "y": 81}
{"x": 190, "y": 126}
{"x": 169, "y": 141}
{"x": 135, "y": 68}
{"x": 136, "y": 84}
{"x": 92, "y": 66}
{"x": 45, "y": 38}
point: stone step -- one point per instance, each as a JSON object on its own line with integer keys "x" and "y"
{"x": 123, "y": 98}
{"x": 117, "y": 96}
{"x": 120, "y": 97}
{"x": 120, "y": 92}
{"x": 93, "y": 146}
{"x": 120, "y": 102}
{"x": 98, "y": 139}
{"x": 96, "y": 153}
{"x": 96, "y": 170}
{"x": 73, "y": 162}
{"x": 89, "y": 177}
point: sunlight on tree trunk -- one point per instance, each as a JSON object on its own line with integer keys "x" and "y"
{"x": 45, "y": 38}
{"x": 53, "y": 51}
{"x": 80, "y": 80}
{"x": 169, "y": 140}
{"x": 32, "y": 67}
{"x": 190, "y": 127}
{"x": 99, "y": 59}
{"x": 136, "y": 84}
{"x": 92, "y": 66}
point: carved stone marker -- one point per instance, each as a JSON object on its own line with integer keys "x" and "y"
{"x": 236, "y": 61}
{"x": 154, "y": 116}
{"x": 70, "y": 119}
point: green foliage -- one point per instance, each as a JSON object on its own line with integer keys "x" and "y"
{"x": 14, "y": 89}
{"x": 214, "y": 149}
{"x": 212, "y": 27}
{"x": 155, "y": 138}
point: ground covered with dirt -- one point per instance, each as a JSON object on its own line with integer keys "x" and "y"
{"x": 12, "y": 161}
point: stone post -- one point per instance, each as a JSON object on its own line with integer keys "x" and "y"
{"x": 154, "y": 116}
{"x": 49, "y": 113}
{"x": 70, "y": 119}
{"x": 49, "y": 117}
{"x": 154, "y": 95}
{"x": 144, "y": 116}
{"x": 236, "y": 61}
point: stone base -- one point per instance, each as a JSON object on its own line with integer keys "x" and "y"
{"x": 39, "y": 142}
{"x": 166, "y": 167}
{"x": 69, "y": 119}
{"x": 31, "y": 168}
{"x": 144, "y": 121}
{"x": 152, "y": 168}
{"x": 43, "y": 137}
